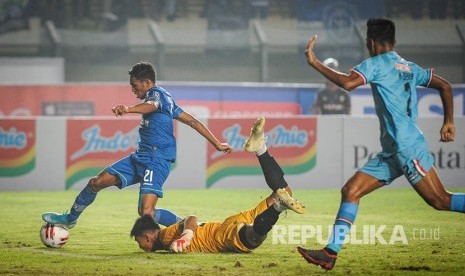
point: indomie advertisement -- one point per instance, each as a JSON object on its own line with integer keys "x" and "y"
{"x": 94, "y": 144}
{"x": 17, "y": 147}
{"x": 291, "y": 141}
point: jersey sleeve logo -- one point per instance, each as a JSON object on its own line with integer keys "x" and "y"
{"x": 403, "y": 67}
{"x": 153, "y": 97}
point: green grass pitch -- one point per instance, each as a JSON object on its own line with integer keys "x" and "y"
{"x": 100, "y": 243}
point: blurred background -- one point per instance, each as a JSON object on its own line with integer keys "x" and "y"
{"x": 219, "y": 40}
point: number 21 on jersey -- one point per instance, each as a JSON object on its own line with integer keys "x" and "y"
{"x": 148, "y": 176}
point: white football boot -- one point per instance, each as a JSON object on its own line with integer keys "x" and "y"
{"x": 284, "y": 201}
{"x": 257, "y": 136}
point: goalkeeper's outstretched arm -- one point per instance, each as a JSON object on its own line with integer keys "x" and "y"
{"x": 189, "y": 225}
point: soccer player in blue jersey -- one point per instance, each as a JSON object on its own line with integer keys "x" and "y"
{"x": 150, "y": 164}
{"x": 404, "y": 147}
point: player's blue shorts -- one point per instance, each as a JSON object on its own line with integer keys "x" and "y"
{"x": 150, "y": 172}
{"x": 413, "y": 162}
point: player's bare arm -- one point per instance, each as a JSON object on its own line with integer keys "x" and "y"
{"x": 190, "y": 222}
{"x": 346, "y": 81}
{"x": 445, "y": 91}
{"x": 141, "y": 108}
{"x": 191, "y": 121}
{"x": 188, "y": 227}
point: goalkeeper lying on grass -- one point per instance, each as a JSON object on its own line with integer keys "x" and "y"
{"x": 242, "y": 232}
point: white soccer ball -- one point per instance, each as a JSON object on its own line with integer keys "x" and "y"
{"x": 53, "y": 235}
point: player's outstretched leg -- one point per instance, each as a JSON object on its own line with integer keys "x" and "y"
{"x": 357, "y": 186}
{"x": 274, "y": 175}
{"x": 84, "y": 199}
{"x": 322, "y": 257}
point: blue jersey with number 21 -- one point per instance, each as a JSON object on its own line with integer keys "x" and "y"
{"x": 393, "y": 81}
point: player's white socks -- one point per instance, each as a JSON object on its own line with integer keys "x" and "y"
{"x": 261, "y": 150}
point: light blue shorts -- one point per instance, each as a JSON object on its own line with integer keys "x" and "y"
{"x": 150, "y": 172}
{"x": 413, "y": 162}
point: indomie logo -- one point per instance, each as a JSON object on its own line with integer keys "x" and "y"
{"x": 12, "y": 139}
{"x": 94, "y": 142}
{"x": 293, "y": 142}
{"x": 277, "y": 137}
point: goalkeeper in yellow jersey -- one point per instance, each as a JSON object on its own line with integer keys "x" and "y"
{"x": 242, "y": 232}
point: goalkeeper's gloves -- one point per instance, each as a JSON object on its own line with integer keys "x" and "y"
{"x": 183, "y": 242}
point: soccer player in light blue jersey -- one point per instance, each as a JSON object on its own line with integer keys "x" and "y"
{"x": 150, "y": 164}
{"x": 404, "y": 147}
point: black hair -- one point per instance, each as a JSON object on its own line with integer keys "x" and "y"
{"x": 142, "y": 224}
{"x": 143, "y": 70}
{"x": 381, "y": 30}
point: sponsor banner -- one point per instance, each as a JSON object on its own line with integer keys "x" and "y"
{"x": 24, "y": 100}
{"x": 68, "y": 147}
{"x": 200, "y": 99}
{"x": 240, "y": 109}
{"x": 293, "y": 142}
{"x": 68, "y": 109}
{"x": 17, "y": 147}
{"x": 98, "y": 99}
{"x": 94, "y": 144}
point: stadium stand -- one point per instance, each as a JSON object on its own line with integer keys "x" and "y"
{"x": 207, "y": 40}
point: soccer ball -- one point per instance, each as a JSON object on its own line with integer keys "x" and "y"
{"x": 53, "y": 235}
